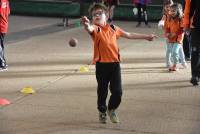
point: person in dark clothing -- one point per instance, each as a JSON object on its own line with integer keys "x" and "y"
{"x": 142, "y": 11}
{"x": 192, "y": 21}
{"x": 186, "y": 41}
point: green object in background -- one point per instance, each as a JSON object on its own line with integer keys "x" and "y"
{"x": 71, "y": 10}
{"x": 126, "y": 12}
{"x": 45, "y": 8}
{"x": 77, "y": 23}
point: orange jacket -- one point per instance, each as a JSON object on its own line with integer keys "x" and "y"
{"x": 186, "y": 20}
{"x": 4, "y": 13}
{"x": 192, "y": 14}
{"x": 174, "y": 26}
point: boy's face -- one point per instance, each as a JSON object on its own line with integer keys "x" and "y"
{"x": 99, "y": 17}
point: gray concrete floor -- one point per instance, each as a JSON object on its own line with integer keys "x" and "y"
{"x": 154, "y": 100}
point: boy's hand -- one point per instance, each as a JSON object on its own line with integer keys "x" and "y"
{"x": 85, "y": 21}
{"x": 151, "y": 37}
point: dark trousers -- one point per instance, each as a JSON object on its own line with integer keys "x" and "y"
{"x": 142, "y": 12}
{"x": 186, "y": 46}
{"x": 195, "y": 59}
{"x": 2, "y": 56}
{"x": 98, "y": 1}
{"x": 108, "y": 74}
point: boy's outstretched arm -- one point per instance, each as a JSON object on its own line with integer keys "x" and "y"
{"x": 148, "y": 37}
{"x": 86, "y": 23}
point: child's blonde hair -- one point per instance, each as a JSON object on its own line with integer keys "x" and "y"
{"x": 179, "y": 10}
{"x": 165, "y": 3}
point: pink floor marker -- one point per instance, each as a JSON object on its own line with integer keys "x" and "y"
{"x": 4, "y": 102}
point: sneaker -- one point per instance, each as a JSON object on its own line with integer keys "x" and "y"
{"x": 194, "y": 81}
{"x": 102, "y": 117}
{"x": 113, "y": 116}
{"x": 3, "y": 68}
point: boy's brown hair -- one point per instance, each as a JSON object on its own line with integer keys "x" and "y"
{"x": 96, "y": 6}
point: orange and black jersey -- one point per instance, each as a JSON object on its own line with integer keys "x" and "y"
{"x": 105, "y": 43}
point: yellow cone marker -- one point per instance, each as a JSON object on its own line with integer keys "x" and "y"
{"x": 84, "y": 69}
{"x": 27, "y": 90}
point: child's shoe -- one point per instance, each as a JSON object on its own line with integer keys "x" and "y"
{"x": 102, "y": 117}
{"x": 173, "y": 68}
{"x": 113, "y": 116}
{"x": 3, "y": 68}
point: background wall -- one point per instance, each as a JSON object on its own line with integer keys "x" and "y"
{"x": 61, "y": 8}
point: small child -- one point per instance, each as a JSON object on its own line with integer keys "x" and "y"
{"x": 162, "y": 23}
{"x": 107, "y": 59}
{"x": 166, "y": 7}
{"x": 174, "y": 33}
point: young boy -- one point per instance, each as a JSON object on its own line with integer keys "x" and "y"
{"x": 4, "y": 13}
{"x": 107, "y": 59}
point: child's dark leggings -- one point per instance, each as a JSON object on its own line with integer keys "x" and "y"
{"x": 108, "y": 74}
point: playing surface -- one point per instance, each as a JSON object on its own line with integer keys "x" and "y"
{"x": 154, "y": 101}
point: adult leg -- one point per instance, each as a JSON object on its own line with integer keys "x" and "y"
{"x": 139, "y": 14}
{"x": 195, "y": 59}
{"x": 2, "y": 55}
{"x": 186, "y": 46}
{"x": 145, "y": 15}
